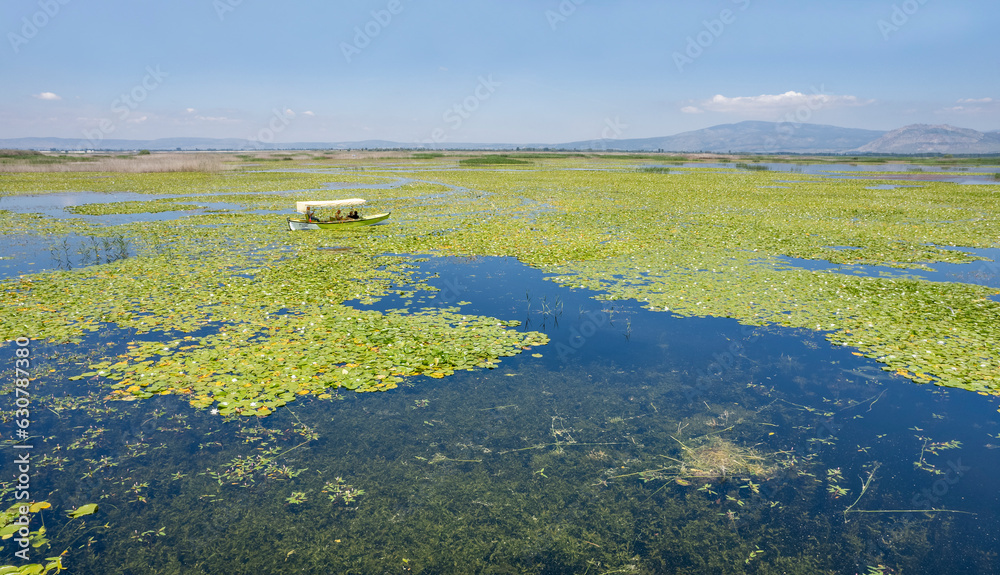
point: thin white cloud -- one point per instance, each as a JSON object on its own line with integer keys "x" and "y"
{"x": 48, "y": 96}
{"x": 775, "y": 103}
{"x": 308, "y": 113}
{"x": 692, "y": 110}
{"x": 972, "y": 106}
{"x": 190, "y": 110}
{"x": 222, "y": 119}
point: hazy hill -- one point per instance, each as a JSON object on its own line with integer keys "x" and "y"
{"x": 749, "y": 136}
{"x": 928, "y": 139}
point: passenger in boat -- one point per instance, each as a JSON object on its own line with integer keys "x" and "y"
{"x": 354, "y": 215}
{"x": 338, "y": 216}
{"x": 310, "y": 216}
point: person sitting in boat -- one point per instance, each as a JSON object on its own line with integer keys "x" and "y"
{"x": 354, "y": 215}
{"x": 337, "y": 216}
{"x": 310, "y": 216}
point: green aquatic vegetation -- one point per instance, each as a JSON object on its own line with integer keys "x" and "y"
{"x": 16, "y": 223}
{"x": 150, "y": 207}
{"x": 296, "y": 498}
{"x": 752, "y": 167}
{"x": 276, "y": 324}
{"x": 492, "y": 160}
{"x": 706, "y": 245}
{"x": 84, "y": 510}
{"x": 933, "y": 448}
{"x": 339, "y": 490}
{"x": 185, "y": 183}
{"x": 11, "y": 522}
{"x": 18, "y": 516}
{"x": 247, "y": 317}
{"x": 497, "y": 514}
{"x": 54, "y": 565}
{"x": 757, "y": 552}
{"x": 9, "y": 156}
{"x": 245, "y": 470}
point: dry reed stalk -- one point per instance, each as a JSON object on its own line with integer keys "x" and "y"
{"x": 161, "y": 162}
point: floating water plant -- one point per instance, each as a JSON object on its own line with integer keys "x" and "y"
{"x": 339, "y": 490}
{"x": 296, "y": 498}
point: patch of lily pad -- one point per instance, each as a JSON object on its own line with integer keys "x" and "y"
{"x": 247, "y": 330}
{"x": 707, "y": 245}
{"x": 150, "y": 207}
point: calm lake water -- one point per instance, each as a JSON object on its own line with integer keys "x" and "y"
{"x": 634, "y": 442}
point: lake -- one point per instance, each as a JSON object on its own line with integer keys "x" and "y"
{"x": 546, "y": 416}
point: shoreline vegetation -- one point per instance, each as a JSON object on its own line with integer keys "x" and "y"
{"x": 144, "y": 161}
{"x": 140, "y": 162}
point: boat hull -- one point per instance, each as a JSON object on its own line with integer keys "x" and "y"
{"x": 295, "y": 224}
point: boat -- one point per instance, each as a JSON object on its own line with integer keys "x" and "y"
{"x": 310, "y": 220}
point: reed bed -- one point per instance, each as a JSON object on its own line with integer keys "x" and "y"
{"x": 142, "y": 163}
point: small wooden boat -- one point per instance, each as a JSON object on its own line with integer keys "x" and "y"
{"x": 347, "y": 215}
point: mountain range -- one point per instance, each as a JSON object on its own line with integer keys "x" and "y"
{"x": 926, "y": 139}
{"x": 742, "y": 137}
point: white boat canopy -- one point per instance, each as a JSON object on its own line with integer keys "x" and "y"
{"x": 303, "y": 207}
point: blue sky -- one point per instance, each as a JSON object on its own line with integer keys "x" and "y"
{"x": 518, "y": 71}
